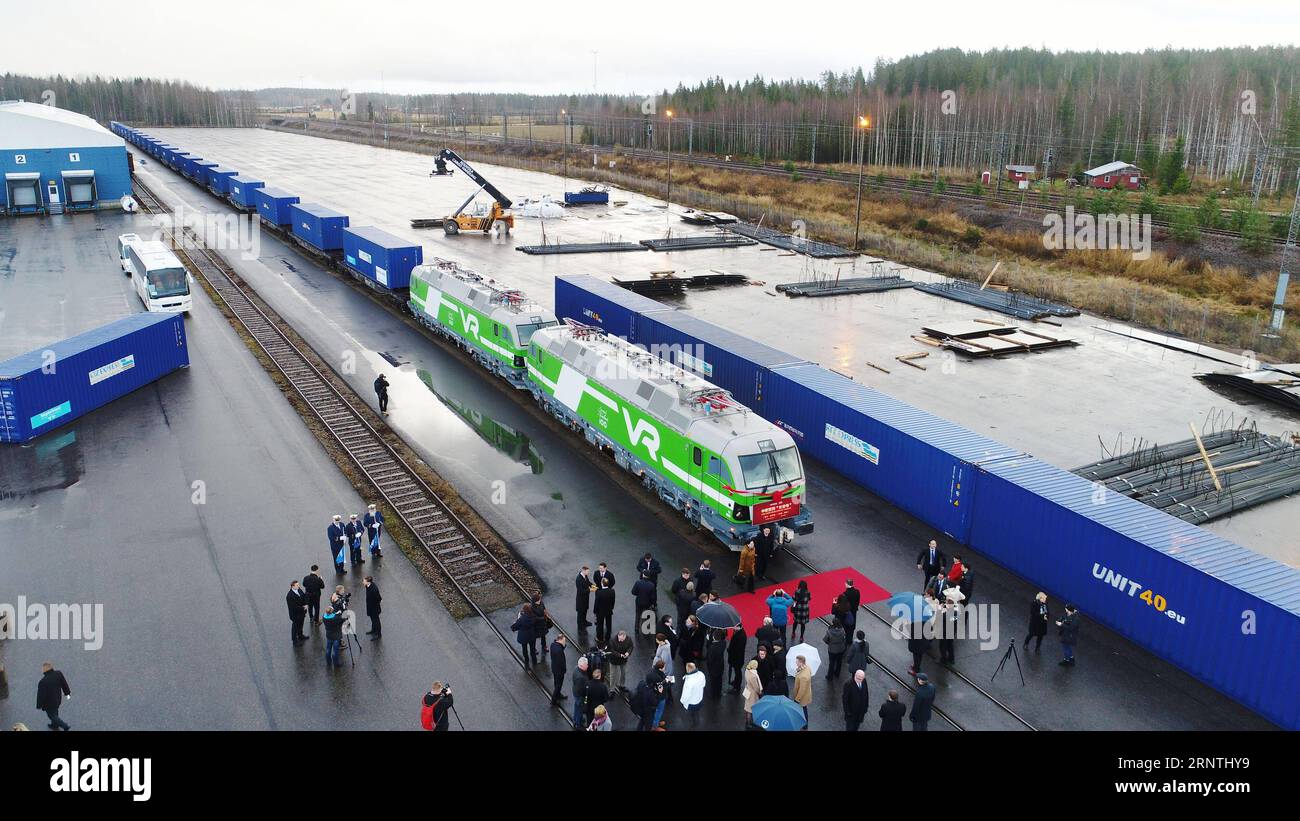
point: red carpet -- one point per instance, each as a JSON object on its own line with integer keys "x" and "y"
{"x": 825, "y": 587}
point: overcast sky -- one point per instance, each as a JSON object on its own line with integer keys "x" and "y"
{"x": 546, "y": 46}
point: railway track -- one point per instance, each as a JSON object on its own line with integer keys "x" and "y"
{"x": 473, "y": 570}
{"x": 470, "y": 567}
{"x": 1040, "y": 203}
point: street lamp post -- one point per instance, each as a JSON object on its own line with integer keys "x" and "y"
{"x": 864, "y": 123}
{"x": 669, "y": 198}
{"x": 569, "y": 117}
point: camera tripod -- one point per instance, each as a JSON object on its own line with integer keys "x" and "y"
{"x": 1011, "y": 652}
{"x": 349, "y": 637}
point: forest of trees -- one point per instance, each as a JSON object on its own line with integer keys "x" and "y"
{"x": 1221, "y": 113}
{"x": 136, "y": 99}
{"x": 1229, "y": 106}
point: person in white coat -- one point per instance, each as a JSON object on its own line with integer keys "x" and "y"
{"x": 693, "y": 692}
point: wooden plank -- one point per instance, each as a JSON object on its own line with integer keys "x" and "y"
{"x": 989, "y": 278}
{"x": 1208, "y": 466}
{"x": 877, "y": 367}
{"x": 910, "y": 362}
{"x": 927, "y": 340}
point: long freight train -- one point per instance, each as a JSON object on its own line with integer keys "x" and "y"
{"x": 723, "y": 466}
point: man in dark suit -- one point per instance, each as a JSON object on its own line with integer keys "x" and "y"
{"x": 967, "y": 584}
{"x": 296, "y": 599}
{"x": 891, "y": 714}
{"x": 704, "y": 578}
{"x": 373, "y": 608}
{"x": 850, "y": 600}
{"x": 930, "y": 562}
{"x": 679, "y": 583}
{"x": 764, "y": 550}
{"x": 338, "y": 539}
{"x": 314, "y": 585}
{"x": 604, "y": 610}
{"x": 559, "y": 666}
{"x": 50, "y": 691}
{"x": 854, "y": 699}
{"x": 649, "y": 567}
{"x": 645, "y": 595}
{"x": 922, "y": 704}
{"x": 582, "y": 599}
{"x": 602, "y": 573}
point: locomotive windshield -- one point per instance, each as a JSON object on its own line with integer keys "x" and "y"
{"x": 771, "y": 468}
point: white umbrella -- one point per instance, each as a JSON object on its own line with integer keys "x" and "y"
{"x": 810, "y": 655}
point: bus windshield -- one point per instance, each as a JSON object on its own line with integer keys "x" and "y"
{"x": 168, "y": 282}
{"x": 526, "y": 331}
{"x": 771, "y": 468}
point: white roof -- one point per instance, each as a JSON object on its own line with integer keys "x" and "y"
{"x": 1110, "y": 168}
{"x": 35, "y": 126}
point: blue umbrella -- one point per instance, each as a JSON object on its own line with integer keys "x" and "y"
{"x": 778, "y": 713}
{"x": 910, "y": 607}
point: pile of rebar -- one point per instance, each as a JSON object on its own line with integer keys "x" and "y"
{"x": 788, "y": 242}
{"x": 692, "y": 243}
{"x": 1012, "y": 303}
{"x": 1252, "y": 468}
{"x": 849, "y": 285}
{"x": 579, "y": 248}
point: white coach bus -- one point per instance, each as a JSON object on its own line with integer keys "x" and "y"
{"x": 161, "y": 282}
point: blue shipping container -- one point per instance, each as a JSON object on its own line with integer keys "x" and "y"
{"x": 243, "y": 191}
{"x": 596, "y": 302}
{"x": 219, "y": 179}
{"x": 1221, "y": 612}
{"x": 273, "y": 205}
{"x": 917, "y": 461}
{"x": 727, "y": 359}
{"x": 318, "y": 226}
{"x": 199, "y": 170}
{"x": 43, "y": 389}
{"x": 381, "y": 257}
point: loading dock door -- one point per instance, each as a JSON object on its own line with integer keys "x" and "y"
{"x": 23, "y": 191}
{"x": 80, "y": 188}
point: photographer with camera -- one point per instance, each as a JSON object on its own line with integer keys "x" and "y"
{"x": 340, "y": 598}
{"x": 435, "y": 706}
{"x": 333, "y": 620}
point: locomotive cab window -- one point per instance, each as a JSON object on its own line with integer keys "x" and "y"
{"x": 715, "y": 467}
{"x": 697, "y": 456}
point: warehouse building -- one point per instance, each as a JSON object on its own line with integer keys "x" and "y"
{"x": 55, "y": 160}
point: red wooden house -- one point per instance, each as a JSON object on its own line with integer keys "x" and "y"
{"x": 1118, "y": 174}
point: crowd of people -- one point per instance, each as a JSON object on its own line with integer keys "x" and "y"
{"x": 692, "y": 662}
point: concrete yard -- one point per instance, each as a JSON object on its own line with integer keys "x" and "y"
{"x": 1060, "y": 405}
{"x": 570, "y": 511}
{"x": 195, "y": 632}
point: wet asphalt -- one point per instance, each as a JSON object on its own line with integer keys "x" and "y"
{"x": 570, "y": 512}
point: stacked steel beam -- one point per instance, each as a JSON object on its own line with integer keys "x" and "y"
{"x": 1012, "y": 303}
{"x": 1252, "y": 468}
